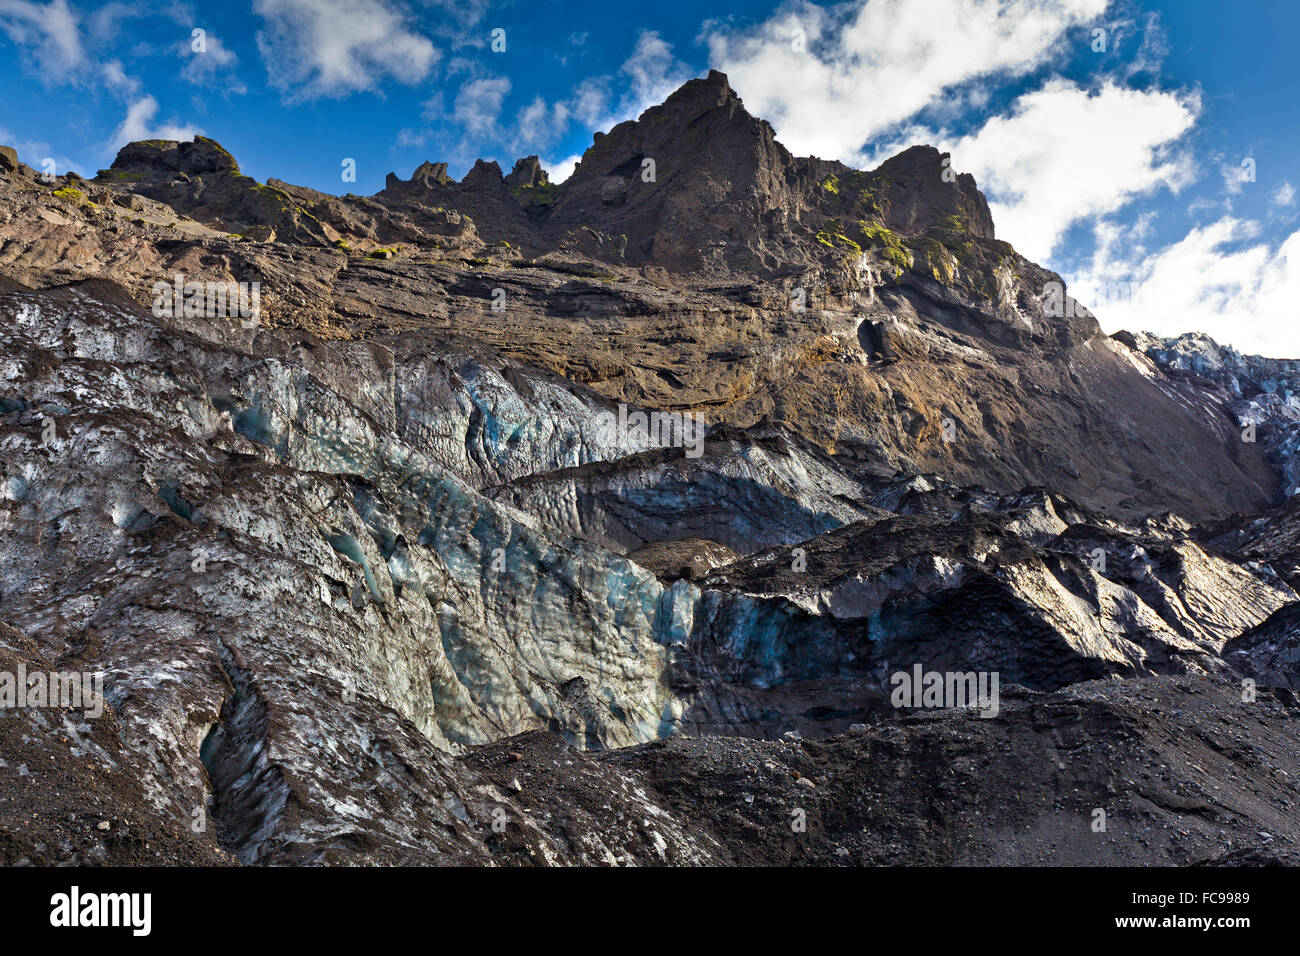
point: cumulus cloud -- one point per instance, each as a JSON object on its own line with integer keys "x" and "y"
{"x": 1284, "y": 195}
{"x": 560, "y": 170}
{"x": 315, "y": 48}
{"x": 1064, "y": 154}
{"x": 830, "y": 79}
{"x": 139, "y": 124}
{"x": 1220, "y": 279}
{"x": 46, "y": 32}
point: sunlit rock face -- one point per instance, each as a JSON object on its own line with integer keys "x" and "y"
{"x": 542, "y": 504}
{"x": 1262, "y": 394}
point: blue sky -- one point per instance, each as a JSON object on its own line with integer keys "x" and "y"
{"x": 1154, "y": 164}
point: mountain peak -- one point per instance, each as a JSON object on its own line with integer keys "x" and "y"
{"x": 710, "y": 92}
{"x": 934, "y": 192}
{"x": 696, "y": 184}
{"x": 528, "y": 173}
{"x": 163, "y": 158}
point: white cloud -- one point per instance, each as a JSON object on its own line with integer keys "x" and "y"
{"x": 117, "y": 79}
{"x": 1064, "y": 154}
{"x": 1152, "y": 50}
{"x": 540, "y": 123}
{"x": 472, "y": 128}
{"x": 478, "y": 105}
{"x": 211, "y": 66}
{"x": 559, "y": 171}
{"x": 647, "y": 77}
{"x": 1218, "y": 279}
{"x": 589, "y": 103}
{"x": 462, "y": 19}
{"x": 830, "y": 79}
{"x": 411, "y": 138}
{"x": 649, "y": 74}
{"x": 315, "y": 48}
{"x": 48, "y": 33}
{"x": 1236, "y": 175}
{"x": 652, "y": 73}
{"x": 139, "y": 124}
{"x": 1284, "y": 195}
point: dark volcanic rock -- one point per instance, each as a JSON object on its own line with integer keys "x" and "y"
{"x": 922, "y": 198}
{"x": 1165, "y": 759}
{"x": 201, "y": 180}
{"x": 696, "y": 183}
{"x": 165, "y": 160}
{"x": 1269, "y": 653}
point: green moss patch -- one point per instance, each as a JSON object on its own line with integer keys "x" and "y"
{"x": 832, "y": 236}
{"x": 887, "y": 243}
{"x": 931, "y": 255}
{"x": 118, "y": 176}
{"x": 74, "y": 195}
{"x": 543, "y": 194}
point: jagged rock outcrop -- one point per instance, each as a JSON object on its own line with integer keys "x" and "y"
{"x": 1269, "y": 653}
{"x": 1262, "y": 394}
{"x": 980, "y": 384}
{"x": 202, "y": 181}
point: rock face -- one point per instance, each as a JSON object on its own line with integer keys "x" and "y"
{"x": 1262, "y": 394}
{"x": 514, "y": 500}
